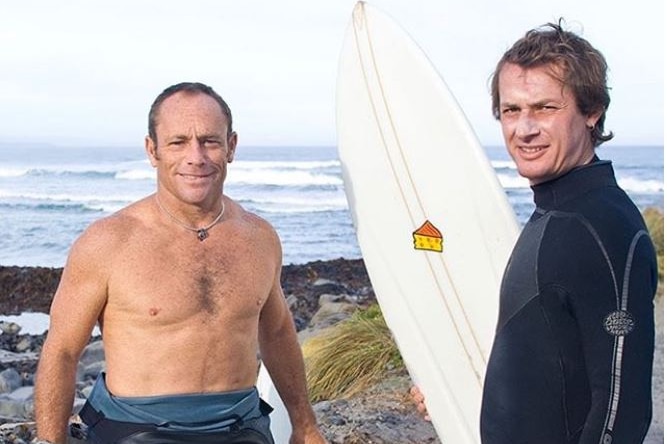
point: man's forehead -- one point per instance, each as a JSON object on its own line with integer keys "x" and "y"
{"x": 183, "y": 107}
{"x": 536, "y": 81}
{"x": 188, "y": 100}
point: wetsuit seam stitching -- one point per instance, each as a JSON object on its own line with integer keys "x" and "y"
{"x": 598, "y": 241}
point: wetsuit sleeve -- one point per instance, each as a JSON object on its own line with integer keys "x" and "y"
{"x": 610, "y": 288}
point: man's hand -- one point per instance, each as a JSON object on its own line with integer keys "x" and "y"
{"x": 310, "y": 436}
{"x": 418, "y": 398}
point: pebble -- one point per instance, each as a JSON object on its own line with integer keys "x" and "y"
{"x": 9, "y": 328}
{"x": 10, "y": 380}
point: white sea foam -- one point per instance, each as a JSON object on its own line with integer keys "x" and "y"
{"x": 136, "y": 174}
{"x": 634, "y": 185}
{"x": 296, "y": 204}
{"x": 513, "y": 181}
{"x": 13, "y": 171}
{"x": 107, "y": 207}
{"x": 93, "y": 201}
{"x": 282, "y": 177}
{"x": 284, "y": 164}
{"x": 503, "y": 164}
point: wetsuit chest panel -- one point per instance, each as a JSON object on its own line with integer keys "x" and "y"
{"x": 520, "y": 284}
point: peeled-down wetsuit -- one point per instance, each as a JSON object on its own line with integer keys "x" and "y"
{"x": 572, "y": 357}
{"x": 236, "y": 417}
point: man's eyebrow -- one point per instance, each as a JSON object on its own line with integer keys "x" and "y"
{"x": 547, "y": 101}
{"x": 178, "y": 137}
{"x": 508, "y": 105}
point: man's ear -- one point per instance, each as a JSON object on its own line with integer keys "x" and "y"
{"x": 232, "y": 140}
{"x": 593, "y": 118}
{"x": 151, "y": 151}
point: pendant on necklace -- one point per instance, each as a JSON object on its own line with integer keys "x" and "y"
{"x": 202, "y": 234}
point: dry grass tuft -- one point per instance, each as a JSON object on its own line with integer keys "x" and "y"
{"x": 351, "y": 356}
{"x": 655, "y": 221}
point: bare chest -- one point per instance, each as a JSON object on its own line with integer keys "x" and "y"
{"x": 176, "y": 282}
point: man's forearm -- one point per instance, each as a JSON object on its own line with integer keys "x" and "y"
{"x": 284, "y": 361}
{"x": 54, "y": 397}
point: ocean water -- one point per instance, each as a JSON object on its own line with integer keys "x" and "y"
{"x": 49, "y": 194}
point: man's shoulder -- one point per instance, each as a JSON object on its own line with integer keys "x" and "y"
{"x": 251, "y": 220}
{"x": 605, "y": 225}
{"x": 252, "y": 229}
{"x": 112, "y": 229}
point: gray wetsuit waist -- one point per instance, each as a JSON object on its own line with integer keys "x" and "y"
{"x": 205, "y": 412}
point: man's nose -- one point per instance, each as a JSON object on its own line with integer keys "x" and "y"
{"x": 196, "y": 154}
{"x": 527, "y": 125}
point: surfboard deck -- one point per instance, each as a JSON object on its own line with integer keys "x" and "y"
{"x": 433, "y": 223}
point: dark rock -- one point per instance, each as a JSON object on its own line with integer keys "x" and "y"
{"x": 21, "y": 343}
{"x": 306, "y": 283}
{"x": 27, "y": 289}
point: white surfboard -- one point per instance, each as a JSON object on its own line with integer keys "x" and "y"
{"x": 433, "y": 223}
{"x": 281, "y": 428}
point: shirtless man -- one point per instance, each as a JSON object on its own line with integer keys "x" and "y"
{"x": 185, "y": 286}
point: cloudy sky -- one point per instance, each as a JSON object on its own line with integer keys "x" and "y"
{"x": 84, "y": 72}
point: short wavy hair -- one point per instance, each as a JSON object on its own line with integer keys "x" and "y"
{"x": 191, "y": 88}
{"x": 577, "y": 65}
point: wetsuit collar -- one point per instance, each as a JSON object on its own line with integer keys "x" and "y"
{"x": 596, "y": 174}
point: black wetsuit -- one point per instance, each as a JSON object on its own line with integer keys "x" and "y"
{"x": 572, "y": 358}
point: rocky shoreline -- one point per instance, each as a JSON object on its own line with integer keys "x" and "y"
{"x": 381, "y": 414}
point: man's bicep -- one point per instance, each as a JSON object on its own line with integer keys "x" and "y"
{"x": 80, "y": 297}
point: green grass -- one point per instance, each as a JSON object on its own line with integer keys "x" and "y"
{"x": 351, "y": 356}
{"x": 655, "y": 221}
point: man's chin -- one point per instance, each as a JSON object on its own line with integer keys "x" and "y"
{"x": 196, "y": 199}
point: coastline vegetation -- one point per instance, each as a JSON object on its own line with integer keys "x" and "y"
{"x": 655, "y": 222}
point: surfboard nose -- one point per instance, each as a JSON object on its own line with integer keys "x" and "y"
{"x": 359, "y": 15}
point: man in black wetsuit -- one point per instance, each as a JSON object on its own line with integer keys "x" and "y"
{"x": 573, "y": 352}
